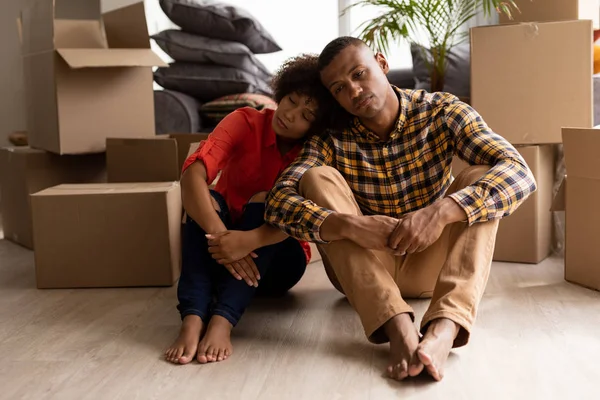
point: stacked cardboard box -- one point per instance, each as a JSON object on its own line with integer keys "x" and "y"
{"x": 578, "y": 197}
{"x": 88, "y": 79}
{"x": 528, "y": 80}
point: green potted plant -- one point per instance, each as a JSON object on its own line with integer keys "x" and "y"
{"x": 435, "y": 22}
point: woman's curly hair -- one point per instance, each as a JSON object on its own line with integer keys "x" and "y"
{"x": 300, "y": 74}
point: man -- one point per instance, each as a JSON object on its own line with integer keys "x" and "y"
{"x": 379, "y": 200}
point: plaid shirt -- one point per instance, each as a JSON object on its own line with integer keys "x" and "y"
{"x": 409, "y": 171}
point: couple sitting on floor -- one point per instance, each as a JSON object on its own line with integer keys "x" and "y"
{"x": 363, "y": 169}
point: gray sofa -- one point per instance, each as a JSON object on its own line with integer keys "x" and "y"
{"x": 403, "y": 78}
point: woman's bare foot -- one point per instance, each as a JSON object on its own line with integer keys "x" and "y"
{"x": 436, "y": 345}
{"x": 184, "y": 348}
{"x": 404, "y": 340}
{"x": 216, "y": 345}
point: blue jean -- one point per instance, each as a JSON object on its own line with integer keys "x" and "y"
{"x": 206, "y": 288}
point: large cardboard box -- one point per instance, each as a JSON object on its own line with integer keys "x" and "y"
{"x": 107, "y": 235}
{"x": 530, "y": 80}
{"x": 578, "y": 196}
{"x": 24, "y": 171}
{"x": 157, "y": 159}
{"x": 526, "y": 235}
{"x": 554, "y": 10}
{"x": 87, "y": 75}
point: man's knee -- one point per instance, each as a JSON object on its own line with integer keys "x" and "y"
{"x": 315, "y": 180}
{"x": 470, "y": 175}
{"x": 259, "y": 197}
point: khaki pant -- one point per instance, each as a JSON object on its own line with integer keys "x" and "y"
{"x": 453, "y": 272}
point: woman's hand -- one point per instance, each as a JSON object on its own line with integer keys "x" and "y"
{"x": 234, "y": 250}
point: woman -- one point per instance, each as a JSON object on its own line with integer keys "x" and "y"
{"x": 229, "y": 254}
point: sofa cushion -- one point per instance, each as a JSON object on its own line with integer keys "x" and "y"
{"x": 220, "y": 21}
{"x": 217, "y": 109}
{"x": 175, "y": 112}
{"x": 188, "y": 47}
{"x": 208, "y": 82}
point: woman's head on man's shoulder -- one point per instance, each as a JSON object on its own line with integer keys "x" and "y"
{"x": 305, "y": 106}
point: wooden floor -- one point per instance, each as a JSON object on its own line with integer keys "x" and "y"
{"x": 537, "y": 337}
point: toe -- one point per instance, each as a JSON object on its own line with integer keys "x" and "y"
{"x": 424, "y": 357}
{"x": 213, "y": 354}
{"x": 220, "y": 355}
{"x": 201, "y": 356}
{"x": 178, "y": 354}
{"x": 187, "y": 356}
{"x": 433, "y": 371}
{"x": 416, "y": 366}
{"x": 398, "y": 371}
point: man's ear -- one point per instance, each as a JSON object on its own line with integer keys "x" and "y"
{"x": 383, "y": 63}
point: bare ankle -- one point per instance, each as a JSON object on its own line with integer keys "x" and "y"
{"x": 441, "y": 326}
{"x": 191, "y": 320}
{"x": 398, "y": 325}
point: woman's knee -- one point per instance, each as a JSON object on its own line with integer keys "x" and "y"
{"x": 259, "y": 197}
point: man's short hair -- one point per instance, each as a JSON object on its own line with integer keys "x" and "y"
{"x": 335, "y": 47}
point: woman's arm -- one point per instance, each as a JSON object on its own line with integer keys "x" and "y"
{"x": 197, "y": 200}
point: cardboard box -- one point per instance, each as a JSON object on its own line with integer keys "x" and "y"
{"x": 24, "y": 171}
{"x": 526, "y": 235}
{"x": 578, "y": 196}
{"x": 530, "y": 80}
{"x": 107, "y": 235}
{"x": 554, "y": 10}
{"x": 157, "y": 159}
{"x": 87, "y": 75}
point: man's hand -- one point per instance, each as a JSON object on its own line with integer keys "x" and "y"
{"x": 420, "y": 229}
{"x": 234, "y": 249}
{"x": 372, "y": 232}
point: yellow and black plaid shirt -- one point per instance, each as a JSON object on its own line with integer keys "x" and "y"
{"x": 409, "y": 171}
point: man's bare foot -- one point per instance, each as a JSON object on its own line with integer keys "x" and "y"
{"x": 404, "y": 340}
{"x": 216, "y": 345}
{"x": 184, "y": 348}
{"x": 436, "y": 345}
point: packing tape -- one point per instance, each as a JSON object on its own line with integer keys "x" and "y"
{"x": 533, "y": 30}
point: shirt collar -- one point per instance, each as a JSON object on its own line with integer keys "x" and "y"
{"x": 358, "y": 127}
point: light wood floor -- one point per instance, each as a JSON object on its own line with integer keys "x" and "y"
{"x": 537, "y": 337}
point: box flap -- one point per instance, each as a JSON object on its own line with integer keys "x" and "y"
{"x": 582, "y": 157}
{"x": 44, "y": 19}
{"x": 106, "y": 188}
{"x": 127, "y": 27}
{"x": 98, "y": 58}
{"x": 79, "y": 34}
{"x": 559, "y": 200}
